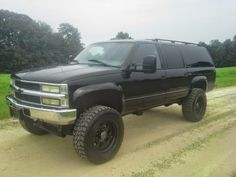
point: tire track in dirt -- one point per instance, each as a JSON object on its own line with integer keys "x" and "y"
{"x": 157, "y": 143}
{"x": 165, "y": 154}
{"x": 214, "y": 123}
{"x": 177, "y": 156}
{"x": 218, "y": 116}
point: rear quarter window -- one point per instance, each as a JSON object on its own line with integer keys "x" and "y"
{"x": 196, "y": 56}
{"x": 172, "y": 56}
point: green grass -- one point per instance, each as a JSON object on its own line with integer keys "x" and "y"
{"x": 4, "y": 90}
{"x": 225, "y": 77}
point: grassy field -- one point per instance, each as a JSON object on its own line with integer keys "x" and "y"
{"x": 225, "y": 77}
{"x": 4, "y": 90}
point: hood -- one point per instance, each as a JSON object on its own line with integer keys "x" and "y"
{"x": 65, "y": 73}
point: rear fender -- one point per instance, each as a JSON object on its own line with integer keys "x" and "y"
{"x": 199, "y": 82}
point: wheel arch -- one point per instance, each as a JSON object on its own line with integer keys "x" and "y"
{"x": 199, "y": 82}
{"x": 106, "y": 94}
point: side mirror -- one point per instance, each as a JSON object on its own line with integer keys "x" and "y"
{"x": 149, "y": 64}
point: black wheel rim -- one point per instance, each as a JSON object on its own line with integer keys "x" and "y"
{"x": 105, "y": 136}
{"x": 199, "y": 105}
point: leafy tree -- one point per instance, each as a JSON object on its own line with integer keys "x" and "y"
{"x": 223, "y": 53}
{"x": 25, "y": 43}
{"x": 71, "y": 38}
{"x": 122, "y": 35}
{"x": 217, "y": 52}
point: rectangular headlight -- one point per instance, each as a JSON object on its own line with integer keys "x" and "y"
{"x": 51, "y": 101}
{"x": 50, "y": 88}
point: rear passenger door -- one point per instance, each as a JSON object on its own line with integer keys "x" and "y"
{"x": 176, "y": 82}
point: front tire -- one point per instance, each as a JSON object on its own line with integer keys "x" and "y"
{"x": 194, "y": 105}
{"x": 98, "y": 134}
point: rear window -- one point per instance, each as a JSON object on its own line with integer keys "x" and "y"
{"x": 196, "y": 56}
{"x": 172, "y": 56}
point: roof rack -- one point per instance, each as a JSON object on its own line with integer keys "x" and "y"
{"x": 173, "y": 41}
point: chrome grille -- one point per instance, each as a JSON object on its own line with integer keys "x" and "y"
{"x": 30, "y": 93}
{"x": 27, "y": 85}
{"x": 28, "y": 98}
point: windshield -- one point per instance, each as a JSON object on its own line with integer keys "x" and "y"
{"x": 107, "y": 54}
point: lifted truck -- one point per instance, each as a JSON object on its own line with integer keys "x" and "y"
{"x": 107, "y": 80}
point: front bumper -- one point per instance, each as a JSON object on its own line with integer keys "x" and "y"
{"x": 52, "y": 116}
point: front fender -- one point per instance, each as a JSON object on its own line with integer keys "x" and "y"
{"x": 107, "y": 94}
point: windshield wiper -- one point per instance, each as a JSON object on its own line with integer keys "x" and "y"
{"x": 100, "y": 62}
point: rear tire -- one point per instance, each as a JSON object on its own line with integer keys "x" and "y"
{"x": 29, "y": 126}
{"x": 98, "y": 134}
{"x": 194, "y": 105}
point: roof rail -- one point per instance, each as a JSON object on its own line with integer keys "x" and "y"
{"x": 173, "y": 41}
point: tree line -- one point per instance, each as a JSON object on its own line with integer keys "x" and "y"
{"x": 223, "y": 53}
{"x": 26, "y": 43}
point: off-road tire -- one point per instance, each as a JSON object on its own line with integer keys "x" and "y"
{"x": 85, "y": 128}
{"x": 190, "y": 102}
{"x": 29, "y": 126}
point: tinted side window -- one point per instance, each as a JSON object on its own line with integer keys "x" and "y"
{"x": 195, "y": 56}
{"x": 144, "y": 50}
{"x": 172, "y": 55}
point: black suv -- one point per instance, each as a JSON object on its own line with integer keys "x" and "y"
{"x": 107, "y": 80}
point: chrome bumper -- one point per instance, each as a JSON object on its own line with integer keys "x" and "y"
{"x": 53, "y": 116}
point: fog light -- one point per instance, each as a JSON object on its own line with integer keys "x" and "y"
{"x": 50, "y": 101}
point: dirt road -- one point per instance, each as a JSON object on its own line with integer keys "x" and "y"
{"x": 159, "y": 143}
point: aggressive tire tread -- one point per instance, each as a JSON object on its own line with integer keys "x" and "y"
{"x": 83, "y": 125}
{"x": 187, "y": 107}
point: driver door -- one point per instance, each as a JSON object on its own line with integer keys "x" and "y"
{"x": 144, "y": 90}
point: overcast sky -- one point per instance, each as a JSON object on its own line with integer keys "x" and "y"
{"x": 98, "y": 20}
